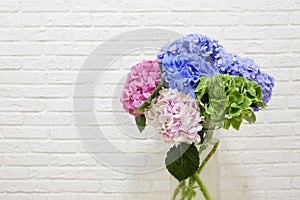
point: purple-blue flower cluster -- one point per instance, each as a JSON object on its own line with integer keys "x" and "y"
{"x": 185, "y": 60}
{"x": 183, "y": 73}
{"x": 247, "y": 68}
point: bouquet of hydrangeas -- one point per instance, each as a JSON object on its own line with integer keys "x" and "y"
{"x": 193, "y": 88}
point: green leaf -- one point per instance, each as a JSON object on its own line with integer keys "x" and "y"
{"x": 249, "y": 116}
{"x": 236, "y": 122}
{"x": 182, "y": 161}
{"x": 140, "y": 122}
{"x": 148, "y": 101}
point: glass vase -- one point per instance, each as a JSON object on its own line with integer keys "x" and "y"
{"x": 209, "y": 175}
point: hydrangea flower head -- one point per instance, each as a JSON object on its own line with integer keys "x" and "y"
{"x": 176, "y": 116}
{"x": 185, "y": 60}
{"x": 141, "y": 82}
{"x": 247, "y": 68}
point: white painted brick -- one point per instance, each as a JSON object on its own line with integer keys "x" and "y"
{"x": 231, "y": 157}
{"x": 46, "y": 5}
{"x": 296, "y": 181}
{"x": 62, "y": 133}
{"x": 282, "y": 88}
{"x": 193, "y": 5}
{"x": 48, "y": 34}
{"x": 232, "y": 184}
{"x": 178, "y": 19}
{"x": 96, "y": 196}
{"x": 47, "y": 119}
{"x": 286, "y": 143}
{"x": 14, "y": 173}
{"x": 295, "y": 74}
{"x": 69, "y": 49}
{"x": 48, "y": 92}
{"x": 286, "y": 32}
{"x": 148, "y": 196}
{"x": 94, "y": 5}
{"x": 71, "y": 78}
{"x": 22, "y": 78}
{"x": 73, "y": 160}
{"x": 10, "y": 35}
{"x": 60, "y": 105}
{"x": 47, "y": 63}
{"x": 24, "y": 132}
{"x": 156, "y": 5}
{"x": 278, "y": 5}
{"x": 295, "y": 89}
{"x": 202, "y": 19}
{"x": 9, "y": 5}
{"x": 257, "y": 195}
{"x": 117, "y": 20}
{"x": 25, "y": 186}
{"x": 292, "y": 116}
{"x": 244, "y": 33}
{"x": 75, "y": 186}
{"x": 295, "y": 48}
{"x": 265, "y": 19}
{"x": 283, "y": 194}
{"x": 9, "y": 146}
{"x": 43, "y": 45}
{"x": 58, "y": 20}
{"x": 161, "y": 186}
{"x": 92, "y": 35}
{"x": 20, "y": 20}
{"x": 295, "y": 18}
{"x": 238, "y": 5}
{"x": 123, "y": 159}
{"x": 53, "y": 173}
{"x": 54, "y": 147}
{"x": 26, "y": 159}
{"x": 295, "y": 156}
{"x": 238, "y": 170}
{"x": 267, "y": 47}
{"x": 10, "y": 64}
{"x": 256, "y": 157}
{"x": 11, "y": 91}
{"x": 10, "y": 119}
{"x": 21, "y": 49}
{"x": 100, "y": 174}
{"x": 248, "y": 143}
{"x": 282, "y": 74}
{"x": 41, "y": 196}
{"x": 286, "y": 170}
{"x": 125, "y": 186}
{"x": 102, "y": 119}
{"x": 260, "y": 183}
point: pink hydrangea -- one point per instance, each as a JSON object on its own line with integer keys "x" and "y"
{"x": 141, "y": 82}
{"x": 176, "y": 115}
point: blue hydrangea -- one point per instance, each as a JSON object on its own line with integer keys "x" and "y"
{"x": 185, "y": 60}
{"x": 247, "y": 68}
{"x": 195, "y": 45}
{"x": 183, "y": 73}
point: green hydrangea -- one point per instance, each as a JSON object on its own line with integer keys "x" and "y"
{"x": 226, "y": 100}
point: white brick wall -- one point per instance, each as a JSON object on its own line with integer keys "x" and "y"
{"x": 42, "y": 47}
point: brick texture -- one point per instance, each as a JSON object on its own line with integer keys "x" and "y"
{"x": 43, "y": 45}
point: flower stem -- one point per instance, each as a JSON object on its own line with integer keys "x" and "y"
{"x": 211, "y": 153}
{"x": 202, "y": 187}
{"x": 196, "y": 175}
{"x": 177, "y": 190}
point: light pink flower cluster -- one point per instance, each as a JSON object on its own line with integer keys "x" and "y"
{"x": 141, "y": 82}
{"x": 176, "y": 115}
